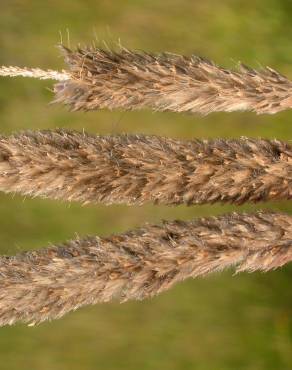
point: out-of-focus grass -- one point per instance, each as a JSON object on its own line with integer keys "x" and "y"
{"x": 222, "y": 322}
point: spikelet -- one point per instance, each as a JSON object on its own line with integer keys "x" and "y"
{"x": 125, "y": 169}
{"x": 166, "y": 82}
{"x": 48, "y": 283}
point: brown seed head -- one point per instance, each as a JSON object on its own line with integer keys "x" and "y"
{"x": 128, "y": 169}
{"x": 48, "y": 283}
{"x": 167, "y": 82}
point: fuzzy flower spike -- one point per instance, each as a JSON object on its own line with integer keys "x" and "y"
{"x": 129, "y": 80}
{"x": 48, "y": 283}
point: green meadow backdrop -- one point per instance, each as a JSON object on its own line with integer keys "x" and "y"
{"x": 222, "y": 322}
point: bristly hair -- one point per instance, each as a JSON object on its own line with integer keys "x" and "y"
{"x": 136, "y": 169}
{"x": 167, "y": 82}
{"x": 48, "y": 283}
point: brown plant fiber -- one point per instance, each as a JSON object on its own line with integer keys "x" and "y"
{"x": 48, "y": 283}
{"x": 138, "y": 169}
{"x": 33, "y": 73}
{"x": 167, "y": 82}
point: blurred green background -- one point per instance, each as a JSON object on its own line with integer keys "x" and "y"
{"x": 220, "y": 322}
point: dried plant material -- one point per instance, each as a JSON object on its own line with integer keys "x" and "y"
{"x": 48, "y": 283}
{"x": 167, "y": 82}
{"x": 126, "y": 169}
{"x": 128, "y": 80}
{"x": 34, "y": 73}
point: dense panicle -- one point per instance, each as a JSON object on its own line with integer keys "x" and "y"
{"x": 167, "y": 82}
{"x": 48, "y": 283}
{"x": 139, "y": 169}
